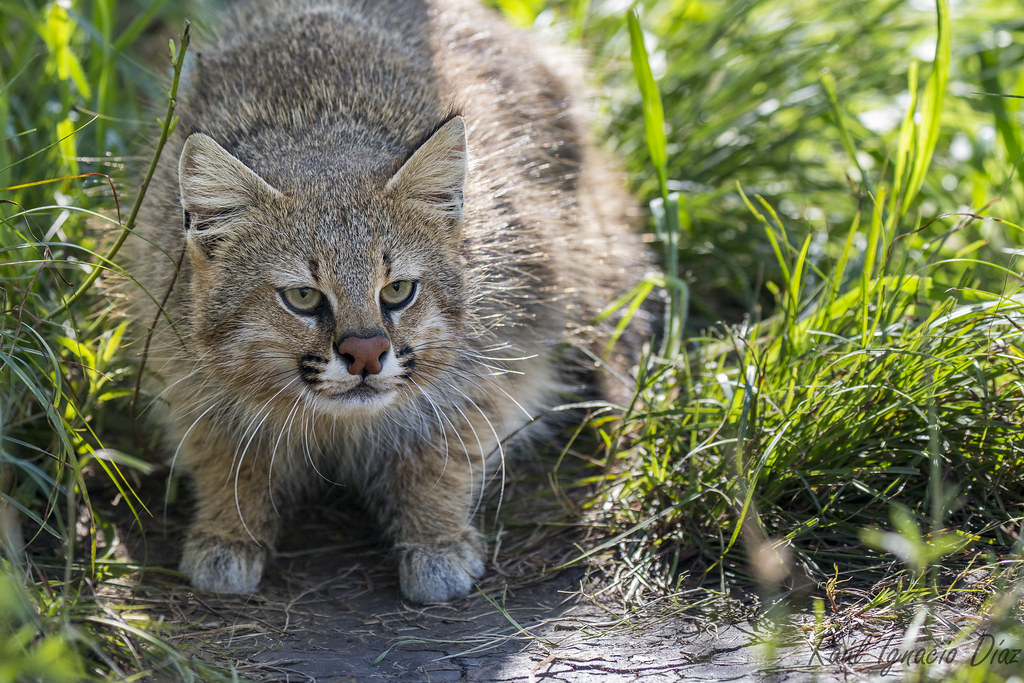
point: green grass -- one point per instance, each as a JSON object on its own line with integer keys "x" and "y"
{"x": 846, "y": 403}
{"x": 862, "y": 423}
{"x": 888, "y": 372}
{"x": 72, "y": 94}
{"x": 831, "y": 415}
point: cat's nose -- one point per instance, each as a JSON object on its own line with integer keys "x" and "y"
{"x": 364, "y": 355}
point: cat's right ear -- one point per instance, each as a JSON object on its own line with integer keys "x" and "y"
{"x": 215, "y": 185}
{"x": 434, "y": 177}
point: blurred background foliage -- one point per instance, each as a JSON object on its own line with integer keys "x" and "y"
{"x": 741, "y": 82}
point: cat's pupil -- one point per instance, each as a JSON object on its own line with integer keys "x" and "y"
{"x": 303, "y": 292}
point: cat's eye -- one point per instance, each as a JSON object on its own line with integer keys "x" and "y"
{"x": 398, "y": 294}
{"x": 302, "y": 299}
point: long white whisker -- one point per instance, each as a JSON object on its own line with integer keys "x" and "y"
{"x": 286, "y": 429}
{"x": 174, "y": 458}
{"x": 499, "y": 443}
{"x": 483, "y": 460}
{"x": 443, "y": 431}
{"x": 309, "y": 453}
{"x": 462, "y": 374}
{"x": 241, "y": 457}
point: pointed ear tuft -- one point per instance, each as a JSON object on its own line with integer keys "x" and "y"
{"x": 214, "y": 184}
{"x": 435, "y": 175}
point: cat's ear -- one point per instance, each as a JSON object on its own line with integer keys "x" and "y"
{"x": 215, "y": 185}
{"x": 435, "y": 175}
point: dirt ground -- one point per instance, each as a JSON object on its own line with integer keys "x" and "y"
{"x": 329, "y": 610}
{"x": 541, "y": 632}
{"x": 336, "y": 616}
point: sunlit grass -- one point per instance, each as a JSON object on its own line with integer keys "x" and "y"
{"x": 65, "y": 378}
{"x": 862, "y": 421}
{"x": 841, "y": 421}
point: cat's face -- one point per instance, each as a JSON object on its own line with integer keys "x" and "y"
{"x": 346, "y": 300}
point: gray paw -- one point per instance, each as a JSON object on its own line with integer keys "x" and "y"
{"x": 441, "y": 572}
{"x": 221, "y": 566}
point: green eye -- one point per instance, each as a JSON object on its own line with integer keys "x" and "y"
{"x": 302, "y": 299}
{"x": 397, "y": 294}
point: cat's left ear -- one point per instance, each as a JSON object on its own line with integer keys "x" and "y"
{"x": 435, "y": 175}
{"x": 216, "y": 185}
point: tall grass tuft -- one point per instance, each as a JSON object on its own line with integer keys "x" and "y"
{"x": 875, "y": 385}
{"x": 836, "y": 193}
{"x": 71, "y": 96}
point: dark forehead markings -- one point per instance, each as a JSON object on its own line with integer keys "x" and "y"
{"x": 386, "y": 257}
{"x": 314, "y": 270}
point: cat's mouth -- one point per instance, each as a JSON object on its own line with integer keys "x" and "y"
{"x": 363, "y": 395}
{"x": 341, "y": 390}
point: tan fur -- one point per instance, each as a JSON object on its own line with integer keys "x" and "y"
{"x": 340, "y": 147}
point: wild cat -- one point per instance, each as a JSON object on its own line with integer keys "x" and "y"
{"x": 386, "y": 235}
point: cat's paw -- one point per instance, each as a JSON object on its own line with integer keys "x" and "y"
{"x": 220, "y": 565}
{"x": 440, "y": 572}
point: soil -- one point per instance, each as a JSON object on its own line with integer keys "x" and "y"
{"x": 329, "y": 610}
{"x": 333, "y": 613}
{"x": 337, "y": 616}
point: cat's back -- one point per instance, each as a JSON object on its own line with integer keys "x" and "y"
{"x": 392, "y": 67}
{"x": 295, "y": 65}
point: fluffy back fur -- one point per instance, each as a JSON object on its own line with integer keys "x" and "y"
{"x": 393, "y": 236}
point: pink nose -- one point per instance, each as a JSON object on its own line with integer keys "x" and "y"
{"x": 364, "y": 354}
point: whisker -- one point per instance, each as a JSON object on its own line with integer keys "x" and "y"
{"x": 241, "y": 457}
{"x": 459, "y": 372}
{"x": 286, "y": 429}
{"x": 309, "y": 454}
{"x": 499, "y": 443}
{"x": 443, "y": 432}
{"x": 174, "y": 458}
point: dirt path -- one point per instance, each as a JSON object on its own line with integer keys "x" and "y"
{"x": 329, "y": 610}
{"x": 336, "y": 616}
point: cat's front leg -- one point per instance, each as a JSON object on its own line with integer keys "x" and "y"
{"x": 236, "y": 526}
{"x": 427, "y": 501}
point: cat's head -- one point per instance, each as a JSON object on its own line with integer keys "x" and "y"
{"x": 348, "y": 294}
